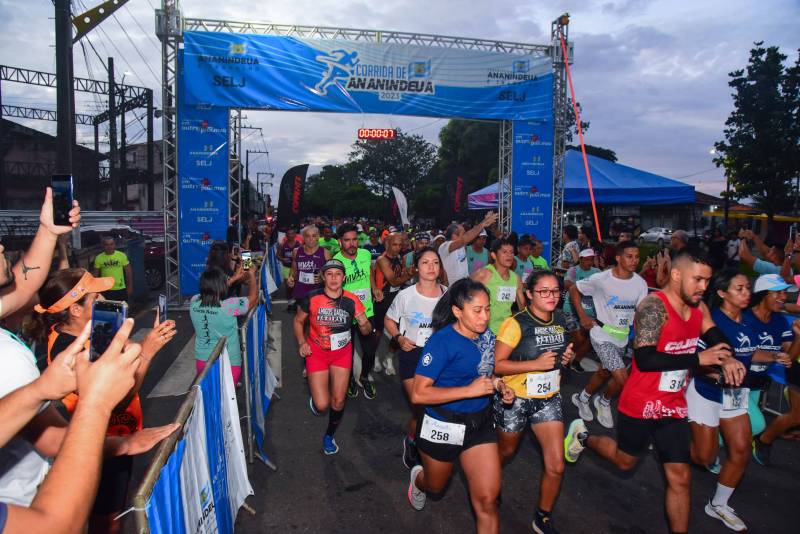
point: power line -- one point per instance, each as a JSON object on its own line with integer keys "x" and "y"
{"x": 146, "y": 63}
{"x": 149, "y": 37}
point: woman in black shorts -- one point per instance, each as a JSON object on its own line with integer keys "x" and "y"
{"x": 455, "y": 383}
{"x": 409, "y": 322}
{"x": 532, "y": 348}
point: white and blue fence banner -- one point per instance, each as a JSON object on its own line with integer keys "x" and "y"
{"x": 202, "y": 185}
{"x": 288, "y": 73}
{"x": 262, "y": 379}
{"x": 271, "y": 277}
{"x": 532, "y": 171}
{"x": 204, "y": 482}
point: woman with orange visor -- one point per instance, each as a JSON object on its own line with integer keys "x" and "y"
{"x": 65, "y": 306}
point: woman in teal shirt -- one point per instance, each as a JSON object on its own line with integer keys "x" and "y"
{"x": 214, "y": 316}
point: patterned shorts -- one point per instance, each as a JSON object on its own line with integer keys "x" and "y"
{"x": 610, "y": 355}
{"x": 525, "y": 413}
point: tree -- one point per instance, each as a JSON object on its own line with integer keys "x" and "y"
{"x": 403, "y": 162}
{"x": 337, "y": 191}
{"x": 600, "y": 152}
{"x": 761, "y": 150}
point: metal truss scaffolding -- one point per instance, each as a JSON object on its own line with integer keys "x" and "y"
{"x": 168, "y": 30}
{"x": 559, "y": 27}
{"x": 170, "y": 27}
{"x": 235, "y": 168}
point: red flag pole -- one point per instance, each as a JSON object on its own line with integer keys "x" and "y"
{"x": 580, "y": 135}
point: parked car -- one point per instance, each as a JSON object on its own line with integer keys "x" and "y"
{"x": 656, "y": 234}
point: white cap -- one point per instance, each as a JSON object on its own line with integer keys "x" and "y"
{"x": 770, "y": 282}
{"x": 359, "y": 228}
{"x": 587, "y": 253}
{"x": 483, "y": 233}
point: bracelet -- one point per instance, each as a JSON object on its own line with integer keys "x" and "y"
{"x": 395, "y": 338}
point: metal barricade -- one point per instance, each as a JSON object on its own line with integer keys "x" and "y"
{"x": 167, "y": 447}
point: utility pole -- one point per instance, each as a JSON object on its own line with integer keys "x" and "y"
{"x": 64, "y": 89}
{"x": 150, "y": 155}
{"x": 247, "y": 171}
{"x": 116, "y": 185}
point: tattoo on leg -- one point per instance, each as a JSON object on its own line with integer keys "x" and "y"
{"x": 25, "y": 269}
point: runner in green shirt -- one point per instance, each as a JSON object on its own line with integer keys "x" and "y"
{"x": 504, "y": 286}
{"x": 328, "y": 241}
{"x": 111, "y": 262}
{"x": 539, "y": 262}
{"x": 358, "y": 278}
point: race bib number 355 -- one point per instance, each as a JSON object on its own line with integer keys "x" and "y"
{"x": 437, "y": 431}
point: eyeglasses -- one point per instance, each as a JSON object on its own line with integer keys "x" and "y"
{"x": 547, "y": 292}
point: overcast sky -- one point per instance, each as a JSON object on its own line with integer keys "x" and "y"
{"x": 651, "y": 75}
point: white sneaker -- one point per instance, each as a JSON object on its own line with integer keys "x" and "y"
{"x": 584, "y": 410}
{"x": 572, "y": 443}
{"x": 377, "y": 368}
{"x": 416, "y": 497}
{"x": 388, "y": 368}
{"x": 727, "y": 515}
{"x": 604, "y": 416}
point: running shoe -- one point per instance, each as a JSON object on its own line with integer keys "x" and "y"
{"x": 543, "y": 525}
{"x": 352, "y": 389}
{"x": 604, "y": 416}
{"x": 716, "y": 467}
{"x": 761, "y": 451}
{"x": 369, "y": 388}
{"x": 388, "y": 367}
{"x": 584, "y": 410}
{"x": 329, "y": 445}
{"x": 416, "y": 497}
{"x": 727, "y": 515}
{"x": 410, "y": 454}
{"x": 377, "y": 367}
{"x": 573, "y": 443}
{"x": 312, "y": 407}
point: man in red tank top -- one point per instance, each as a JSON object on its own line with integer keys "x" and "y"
{"x": 652, "y": 406}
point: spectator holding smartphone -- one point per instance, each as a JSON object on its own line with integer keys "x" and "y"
{"x": 24, "y": 459}
{"x": 64, "y": 310}
{"x": 63, "y": 501}
{"x": 214, "y": 316}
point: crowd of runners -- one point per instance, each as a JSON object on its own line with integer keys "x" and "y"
{"x": 484, "y": 331}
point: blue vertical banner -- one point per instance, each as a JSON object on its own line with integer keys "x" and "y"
{"x": 532, "y": 171}
{"x": 202, "y": 185}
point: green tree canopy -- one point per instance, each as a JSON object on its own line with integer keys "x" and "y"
{"x": 761, "y": 150}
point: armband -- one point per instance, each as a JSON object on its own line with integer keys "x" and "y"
{"x": 714, "y": 336}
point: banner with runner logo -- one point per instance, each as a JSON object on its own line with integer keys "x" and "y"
{"x": 532, "y": 169}
{"x": 288, "y": 73}
{"x": 197, "y": 493}
{"x": 202, "y": 186}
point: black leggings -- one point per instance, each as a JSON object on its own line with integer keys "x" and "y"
{"x": 369, "y": 344}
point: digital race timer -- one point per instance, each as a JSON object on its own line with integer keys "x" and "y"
{"x": 377, "y": 133}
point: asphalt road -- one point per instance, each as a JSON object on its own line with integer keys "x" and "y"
{"x": 363, "y": 487}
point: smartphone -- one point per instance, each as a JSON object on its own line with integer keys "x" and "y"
{"x": 793, "y": 232}
{"x": 107, "y": 318}
{"x": 162, "y": 308}
{"x": 61, "y": 185}
{"x": 247, "y": 260}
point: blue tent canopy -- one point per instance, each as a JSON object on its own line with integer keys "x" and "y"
{"x": 613, "y": 184}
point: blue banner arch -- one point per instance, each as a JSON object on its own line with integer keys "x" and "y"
{"x": 220, "y": 71}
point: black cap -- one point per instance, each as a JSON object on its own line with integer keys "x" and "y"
{"x": 332, "y": 264}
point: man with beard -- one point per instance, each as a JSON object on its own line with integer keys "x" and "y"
{"x": 358, "y": 274}
{"x": 652, "y": 407}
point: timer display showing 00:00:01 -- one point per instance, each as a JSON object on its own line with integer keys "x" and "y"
{"x": 377, "y": 133}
